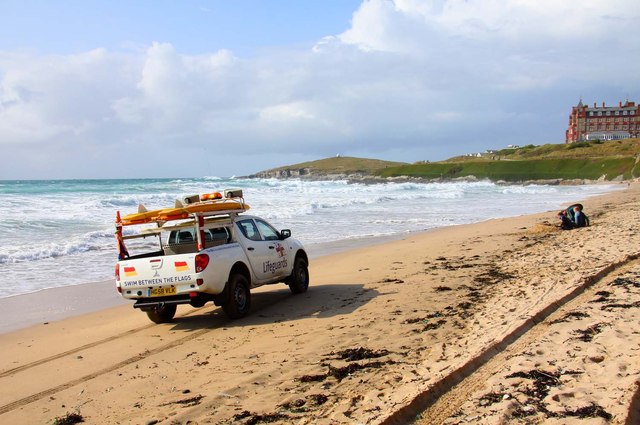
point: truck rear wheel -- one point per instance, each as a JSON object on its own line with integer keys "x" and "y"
{"x": 238, "y": 300}
{"x": 162, "y": 314}
{"x": 299, "y": 280}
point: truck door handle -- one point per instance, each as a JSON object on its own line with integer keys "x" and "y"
{"x": 250, "y": 248}
{"x": 271, "y": 247}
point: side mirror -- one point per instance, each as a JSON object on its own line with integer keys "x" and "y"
{"x": 285, "y": 233}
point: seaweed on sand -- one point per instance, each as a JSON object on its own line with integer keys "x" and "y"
{"x": 587, "y": 335}
{"x": 493, "y": 276}
{"x": 571, "y": 315}
{"x": 491, "y": 398}
{"x": 591, "y": 411}
{"x": 301, "y": 405}
{"x": 359, "y": 353}
{"x": 68, "y": 419}
{"x": 249, "y": 418}
{"x": 342, "y": 372}
{"x": 542, "y": 382}
{"x": 626, "y": 283}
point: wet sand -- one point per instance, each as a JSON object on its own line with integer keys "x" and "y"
{"x": 506, "y": 321}
{"x": 22, "y": 311}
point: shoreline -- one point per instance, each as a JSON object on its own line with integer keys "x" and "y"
{"x": 83, "y": 256}
{"x": 63, "y": 302}
{"x": 54, "y": 304}
{"x": 368, "y": 179}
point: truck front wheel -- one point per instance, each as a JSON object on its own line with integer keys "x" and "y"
{"x": 162, "y": 314}
{"x": 238, "y": 300}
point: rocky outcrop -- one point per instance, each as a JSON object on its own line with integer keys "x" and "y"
{"x": 282, "y": 173}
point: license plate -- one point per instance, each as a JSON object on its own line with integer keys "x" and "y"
{"x": 161, "y": 292}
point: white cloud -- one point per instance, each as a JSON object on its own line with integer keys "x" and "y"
{"x": 286, "y": 113}
{"x": 43, "y": 98}
{"x": 418, "y": 76}
{"x": 174, "y": 90}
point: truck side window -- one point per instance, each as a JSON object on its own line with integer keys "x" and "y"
{"x": 249, "y": 230}
{"x": 268, "y": 232}
{"x": 185, "y": 236}
{"x": 219, "y": 234}
{"x": 181, "y": 236}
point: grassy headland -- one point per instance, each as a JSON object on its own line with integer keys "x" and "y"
{"x": 337, "y": 166}
{"x": 521, "y": 170}
{"x": 596, "y": 160}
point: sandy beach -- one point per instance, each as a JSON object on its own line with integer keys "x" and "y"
{"x": 505, "y": 321}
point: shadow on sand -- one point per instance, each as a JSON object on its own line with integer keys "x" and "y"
{"x": 280, "y": 305}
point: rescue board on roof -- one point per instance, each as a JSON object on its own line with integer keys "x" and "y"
{"x": 206, "y": 203}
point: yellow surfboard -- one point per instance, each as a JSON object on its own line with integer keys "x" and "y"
{"x": 167, "y": 214}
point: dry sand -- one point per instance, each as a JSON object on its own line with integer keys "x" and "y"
{"x": 506, "y": 321}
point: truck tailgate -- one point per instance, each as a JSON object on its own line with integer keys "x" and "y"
{"x": 156, "y": 272}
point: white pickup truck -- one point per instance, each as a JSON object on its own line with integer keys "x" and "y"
{"x": 207, "y": 249}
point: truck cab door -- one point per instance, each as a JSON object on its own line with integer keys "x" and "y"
{"x": 266, "y": 253}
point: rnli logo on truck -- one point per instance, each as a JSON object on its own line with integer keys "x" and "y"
{"x": 273, "y": 266}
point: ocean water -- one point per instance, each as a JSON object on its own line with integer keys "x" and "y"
{"x": 61, "y": 232}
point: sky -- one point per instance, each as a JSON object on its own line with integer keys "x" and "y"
{"x": 128, "y": 89}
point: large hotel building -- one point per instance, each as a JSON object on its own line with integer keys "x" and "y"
{"x": 603, "y": 122}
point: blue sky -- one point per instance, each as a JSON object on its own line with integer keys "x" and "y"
{"x": 192, "y": 27}
{"x": 94, "y": 89}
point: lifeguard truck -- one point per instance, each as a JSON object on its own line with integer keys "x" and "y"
{"x": 205, "y": 248}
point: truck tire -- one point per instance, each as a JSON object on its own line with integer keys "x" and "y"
{"x": 238, "y": 300}
{"x": 162, "y": 314}
{"x": 299, "y": 280}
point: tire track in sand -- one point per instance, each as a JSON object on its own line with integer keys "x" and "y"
{"x": 440, "y": 401}
{"x": 134, "y": 359}
{"x": 37, "y": 396}
{"x": 26, "y": 366}
{"x": 45, "y": 360}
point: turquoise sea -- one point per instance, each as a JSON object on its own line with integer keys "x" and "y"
{"x": 61, "y": 232}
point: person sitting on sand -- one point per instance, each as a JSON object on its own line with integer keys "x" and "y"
{"x": 573, "y": 217}
{"x": 580, "y": 219}
{"x": 566, "y": 223}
